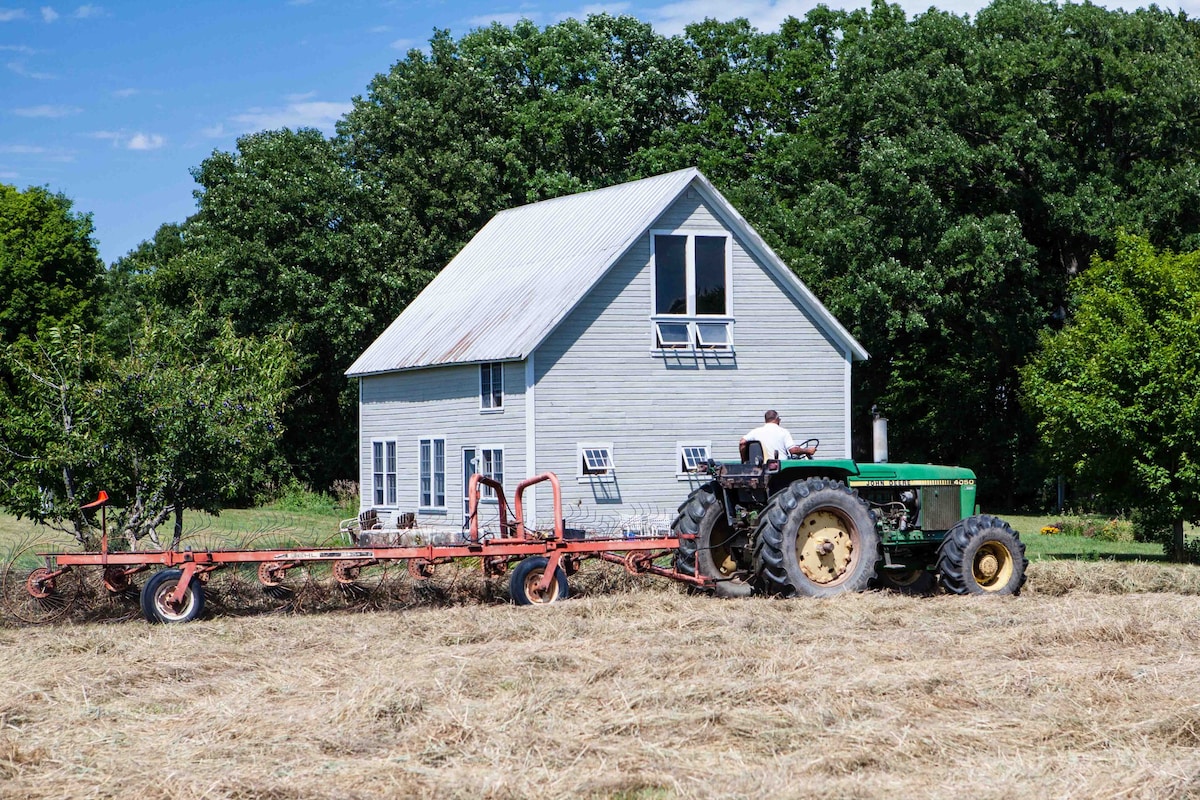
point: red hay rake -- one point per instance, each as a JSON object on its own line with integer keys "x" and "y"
{"x": 39, "y": 586}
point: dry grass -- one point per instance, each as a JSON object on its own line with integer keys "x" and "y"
{"x": 636, "y": 691}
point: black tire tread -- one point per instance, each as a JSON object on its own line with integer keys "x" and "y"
{"x": 768, "y": 550}
{"x": 687, "y": 526}
{"x": 951, "y": 564}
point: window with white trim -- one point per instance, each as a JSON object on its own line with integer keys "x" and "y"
{"x": 691, "y": 306}
{"x": 595, "y": 460}
{"x": 491, "y": 465}
{"x": 383, "y": 472}
{"x": 690, "y": 456}
{"x": 491, "y": 386}
{"x": 432, "y": 468}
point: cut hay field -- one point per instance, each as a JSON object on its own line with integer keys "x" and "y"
{"x": 1086, "y": 686}
{"x": 634, "y": 691}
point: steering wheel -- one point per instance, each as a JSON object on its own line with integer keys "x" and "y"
{"x": 813, "y": 443}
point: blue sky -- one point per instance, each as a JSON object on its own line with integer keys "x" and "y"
{"x": 112, "y": 103}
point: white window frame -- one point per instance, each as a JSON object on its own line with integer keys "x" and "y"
{"x": 384, "y": 492}
{"x": 681, "y": 470}
{"x": 696, "y": 340}
{"x": 494, "y": 369}
{"x": 487, "y": 494}
{"x": 432, "y": 505}
{"x": 581, "y": 471}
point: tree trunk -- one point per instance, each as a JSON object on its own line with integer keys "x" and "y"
{"x": 1178, "y": 552}
{"x": 178, "y": 534}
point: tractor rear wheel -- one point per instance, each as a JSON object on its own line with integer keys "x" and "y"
{"x": 816, "y": 538}
{"x": 982, "y": 555}
{"x": 705, "y": 543}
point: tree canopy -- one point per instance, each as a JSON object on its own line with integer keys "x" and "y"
{"x": 1117, "y": 391}
{"x": 182, "y": 420}
{"x": 49, "y": 269}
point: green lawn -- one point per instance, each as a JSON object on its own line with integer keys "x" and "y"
{"x": 274, "y": 527}
{"x": 1043, "y": 547}
{"x": 236, "y": 528}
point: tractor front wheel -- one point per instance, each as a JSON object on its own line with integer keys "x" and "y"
{"x": 706, "y": 543}
{"x": 982, "y": 555}
{"x": 816, "y": 538}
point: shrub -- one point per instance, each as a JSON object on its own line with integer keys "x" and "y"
{"x": 346, "y": 492}
{"x": 296, "y": 497}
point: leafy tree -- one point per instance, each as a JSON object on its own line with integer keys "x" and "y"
{"x": 281, "y": 245}
{"x": 181, "y": 421}
{"x": 1117, "y": 392}
{"x": 49, "y": 269}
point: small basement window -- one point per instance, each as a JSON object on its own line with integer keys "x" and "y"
{"x": 690, "y": 456}
{"x": 595, "y": 460}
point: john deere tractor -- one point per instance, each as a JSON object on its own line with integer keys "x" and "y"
{"x": 820, "y": 527}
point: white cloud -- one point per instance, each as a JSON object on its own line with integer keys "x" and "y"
{"x": 88, "y": 12}
{"x": 314, "y": 114}
{"x": 404, "y": 44}
{"x": 213, "y": 132}
{"x": 9, "y": 14}
{"x": 379, "y": 29}
{"x": 38, "y": 151}
{"x": 49, "y": 14}
{"x": 47, "y": 111}
{"x": 130, "y": 141}
{"x": 126, "y": 92}
{"x": 19, "y": 68}
{"x": 145, "y": 141}
{"x": 9, "y": 176}
{"x": 24, "y": 50}
{"x": 299, "y": 98}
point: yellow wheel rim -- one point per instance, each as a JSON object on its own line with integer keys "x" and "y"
{"x": 992, "y": 566}
{"x": 722, "y": 553}
{"x": 825, "y": 547}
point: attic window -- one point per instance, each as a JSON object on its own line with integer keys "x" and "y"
{"x": 692, "y": 300}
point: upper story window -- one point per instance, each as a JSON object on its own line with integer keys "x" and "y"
{"x": 491, "y": 386}
{"x": 692, "y": 304}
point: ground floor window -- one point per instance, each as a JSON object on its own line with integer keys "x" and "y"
{"x": 491, "y": 465}
{"x": 383, "y": 472}
{"x": 432, "y": 460}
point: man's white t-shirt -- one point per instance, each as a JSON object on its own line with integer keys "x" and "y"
{"x": 775, "y": 439}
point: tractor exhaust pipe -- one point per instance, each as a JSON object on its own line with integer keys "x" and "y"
{"x": 879, "y": 428}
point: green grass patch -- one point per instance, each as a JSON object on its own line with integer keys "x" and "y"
{"x": 258, "y": 528}
{"x": 1102, "y": 543}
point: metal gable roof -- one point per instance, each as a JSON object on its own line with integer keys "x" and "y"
{"x": 527, "y": 268}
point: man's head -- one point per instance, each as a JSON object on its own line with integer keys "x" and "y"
{"x": 771, "y": 416}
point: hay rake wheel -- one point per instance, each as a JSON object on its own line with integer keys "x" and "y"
{"x": 33, "y": 590}
{"x": 360, "y": 582}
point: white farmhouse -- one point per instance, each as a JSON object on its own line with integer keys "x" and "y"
{"x": 617, "y": 338}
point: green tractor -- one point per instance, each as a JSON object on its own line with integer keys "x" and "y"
{"x": 820, "y": 527}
